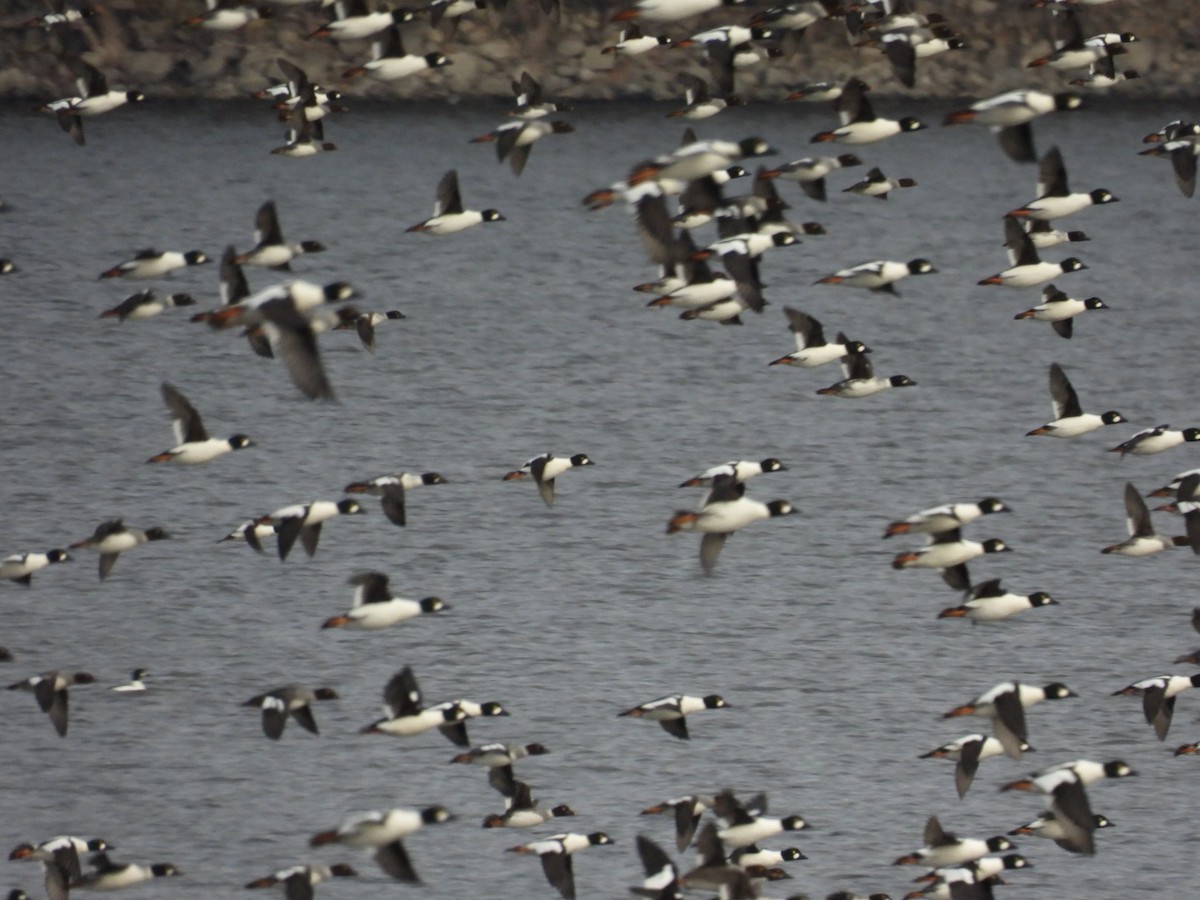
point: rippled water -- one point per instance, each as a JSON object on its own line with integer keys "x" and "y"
{"x": 523, "y": 337}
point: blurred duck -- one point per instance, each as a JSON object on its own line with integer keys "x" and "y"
{"x": 1143, "y": 539}
{"x": 522, "y": 811}
{"x": 229, "y": 15}
{"x": 1155, "y": 440}
{"x": 687, "y": 811}
{"x": 50, "y": 689}
{"x": 556, "y": 854}
{"x": 1060, "y": 310}
{"x": 145, "y": 305}
{"x": 968, "y": 752}
{"x": 94, "y": 99}
{"x": 812, "y": 348}
{"x": 193, "y": 444}
{"x": 353, "y": 21}
{"x": 407, "y": 715}
{"x": 860, "y": 125}
{"x": 60, "y": 859}
{"x": 293, "y": 700}
{"x": 384, "y": 831}
{"x": 304, "y": 521}
{"x": 107, "y": 875}
{"x": 375, "y": 607}
{"x": 1005, "y": 705}
{"x": 725, "y": 510}
{"x": 1187, "y": 504}
{"x": 530, "y": 101}
{"x": 631, "y": 42}
{"x": 943, "y": 849}
{"x": 861, "y": 381}
{"x": 393, "y": 489}
{"x": 1026, "y": 268}
{"x": 1055, "y": 199}
{"x": 114, "y": 537}
{"x": 299, "y": 881}
{"x": 449, "y": 215}
{"x": 514, "y": 140}
{"x": 1158, "y": 698}
{"x": 136, "y": 683}
{"x": 270, "y": 249}
{"x": 20, "y": 567}
{"x": 1070, "y": 421}
{"x": 1009, "y": 115}
{"x": 545, "y": 469}
{"x": 670, "y": 712}
{"x": 947, "y": 517}
{"x": 390, "y": 62}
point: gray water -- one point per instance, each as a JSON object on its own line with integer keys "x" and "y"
{"x": 523, "y": 337}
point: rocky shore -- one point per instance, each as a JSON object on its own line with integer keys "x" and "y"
{"x": 142, "y": 44}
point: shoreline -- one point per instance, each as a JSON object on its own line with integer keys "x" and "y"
{"x": 153, "y": 53}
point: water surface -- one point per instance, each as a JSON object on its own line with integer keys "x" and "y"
{"x": 523, "y": 337}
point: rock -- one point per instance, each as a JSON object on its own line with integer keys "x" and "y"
{"x": 139, "y": 44}
{"x": 148, "y": 68}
